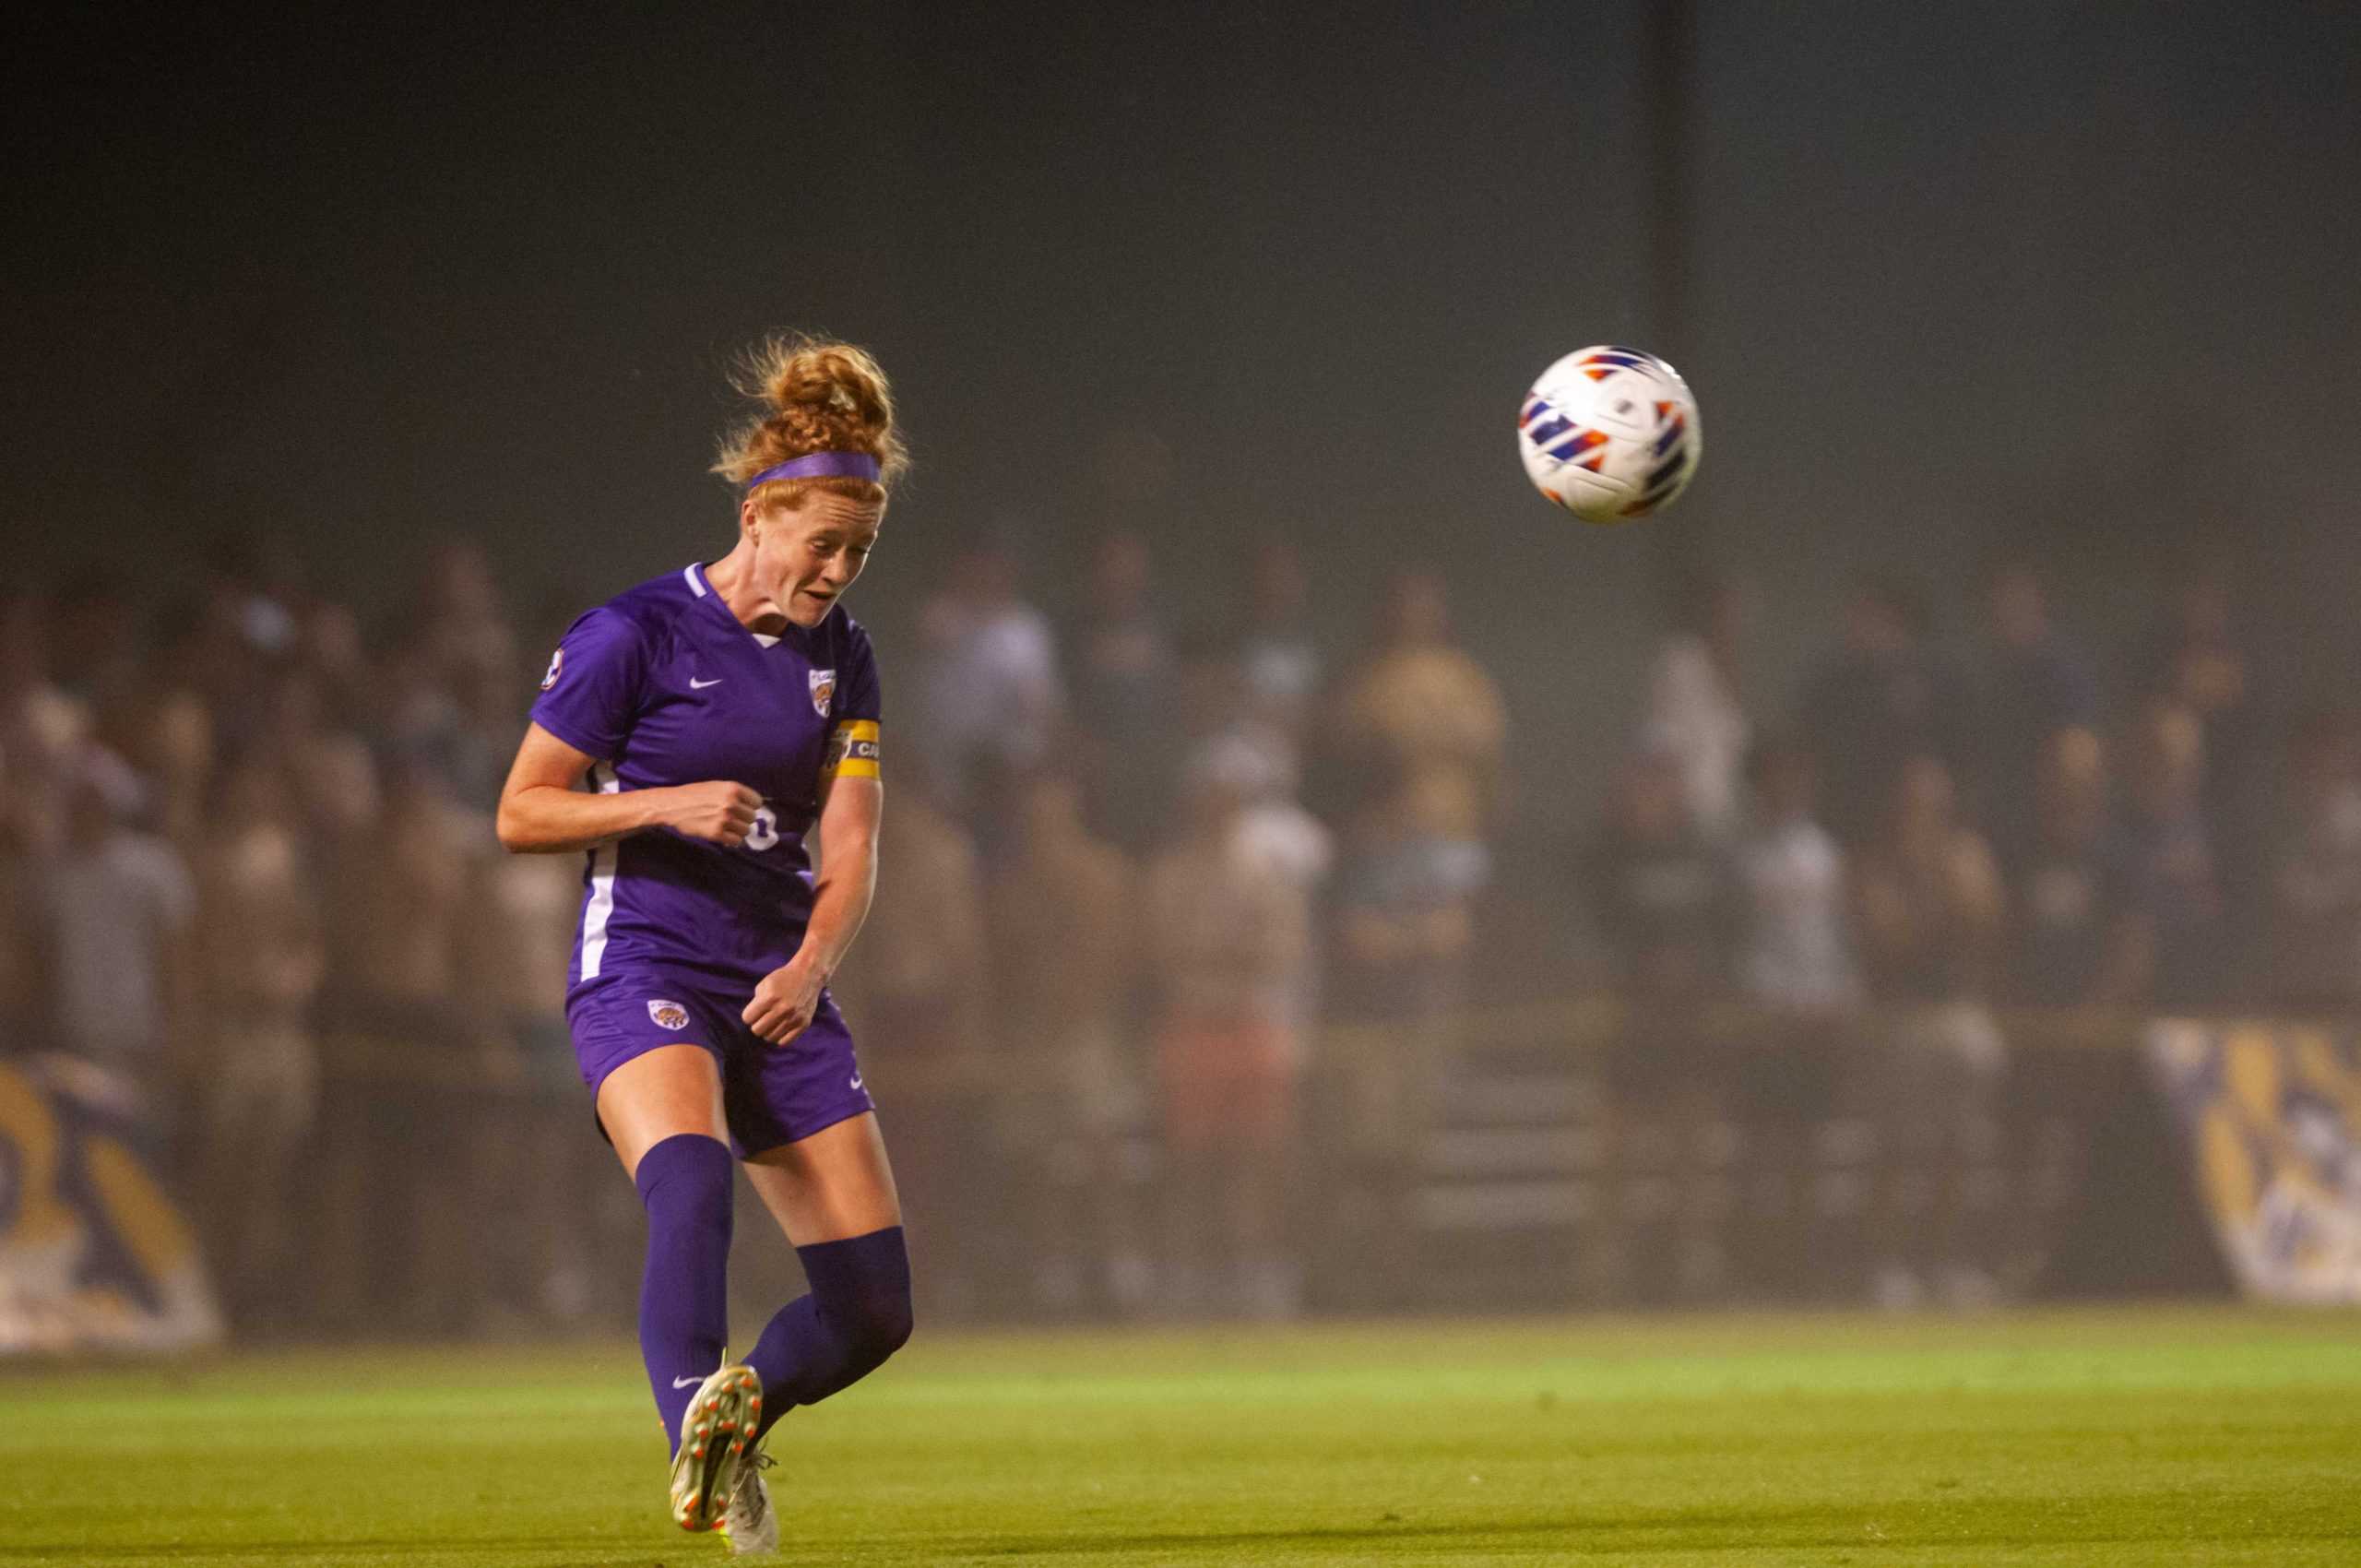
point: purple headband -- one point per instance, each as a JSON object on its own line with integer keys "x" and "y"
{"x": 821, "y": 465}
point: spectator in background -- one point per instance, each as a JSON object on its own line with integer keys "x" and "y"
{"x": 1695, "y": 715}
{"x": 1224, "y": 722}
{"x": 2079, "y": 937}
{"x": 257, "y": 1085}
{"x": 1273, "y": 834}
{"x": 1795, "y": 957}
{"x": 1659, "y": 887}
{"x": 1932, "y": 906}
{"x": 1230, "y": 941}
{"x": 1274, "y": 830}
{"x": 1404, "y": 931}
{"x": 219, "y": 652}
{"x": 165, "y": 731}
{"x": 1884, "y": 698}
{"x": 330, "y": 652}
{"x": 403, "y": 965}
{"x": 1412, "y": 763}
{"x": 402, "y": 1015}
{"x": 340, "y": 800}
{"x": 2171, "y": 868}
{"x": 2035, "y": 683}
{"x": 115, "y": 908}
{"x": 924, "y": 978}
{"x": 2314, "y": 914}
{"x": 1795, "y": 946}
{"x": 1124, "y": 671}
{"x": 2196, "y": 660}
{"x": 331, "y": 774}
{"x": 420, "y": 722}
{"x": 42, "y": 730}
{"x": 516, "y": 934}
{"x": 483, "y": 737}
{"x": 990, "y": 698}
{"x": 1422, "y": 717}
{"x": 1281, "y": 659}
{"x": 1064, "y": 916}
{"x": 1660, "y": 890}
{"x": 1929, "y": 899}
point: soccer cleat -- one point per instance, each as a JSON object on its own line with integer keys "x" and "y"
{"x": 749, "y": 1526}
{"x": 709, "y": 1466}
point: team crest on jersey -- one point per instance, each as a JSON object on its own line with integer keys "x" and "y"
{"x": 823, "y": 691}
{"x": 557, "y": 663}
{"x": 669, "y": 1016}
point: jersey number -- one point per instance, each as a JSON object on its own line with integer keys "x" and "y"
{"x": 765, "y": 833}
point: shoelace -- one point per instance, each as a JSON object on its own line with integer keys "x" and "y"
{"x": 748, "y": 1495}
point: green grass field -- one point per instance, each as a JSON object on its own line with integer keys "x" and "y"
{"x": 2179, "y": 1436}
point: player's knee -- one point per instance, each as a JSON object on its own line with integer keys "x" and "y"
{"x": 686, "y": 1181}
{"x": 879, "y": 1324}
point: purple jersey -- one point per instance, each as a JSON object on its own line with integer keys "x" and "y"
{"x": 663, "y": 685}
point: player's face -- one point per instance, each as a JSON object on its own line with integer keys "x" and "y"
{"x": 805, "y": 558}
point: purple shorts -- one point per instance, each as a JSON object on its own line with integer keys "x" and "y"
{"x": 770, "y": 1094}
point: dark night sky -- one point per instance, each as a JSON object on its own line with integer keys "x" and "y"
{"x": 1961, "y": 273}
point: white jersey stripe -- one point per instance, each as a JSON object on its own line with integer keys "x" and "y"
{"x": 690, "y": 572}
{"x": 600, "y": 905}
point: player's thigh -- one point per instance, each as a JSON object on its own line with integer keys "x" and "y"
{"x": 660, "y": 1094}
{"x": 835, "y": 1183}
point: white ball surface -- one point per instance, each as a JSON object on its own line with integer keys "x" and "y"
{"x": 1609, "y": 434}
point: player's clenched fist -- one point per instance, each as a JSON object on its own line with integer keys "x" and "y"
{"x": 784, "y": 1003}
{"x": 718, "y": 811}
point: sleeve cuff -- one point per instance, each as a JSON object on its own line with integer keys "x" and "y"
{"x": 598, "y": 750}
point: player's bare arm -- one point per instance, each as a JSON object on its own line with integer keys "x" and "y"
{"x": 786, "y": 999}
{"x": 543, "y": 811}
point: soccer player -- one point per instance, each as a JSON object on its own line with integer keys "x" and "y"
{"x": 722, "y": 713}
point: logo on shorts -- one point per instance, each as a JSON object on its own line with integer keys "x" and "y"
{"x": 823, "y": 688}
{"x": 669, "y": 1016}
{"x": 557, "y": 662}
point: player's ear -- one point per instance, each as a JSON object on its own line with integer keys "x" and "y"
{"x": 746, "y": 516}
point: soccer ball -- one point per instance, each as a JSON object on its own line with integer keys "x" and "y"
{"x": 1609, "y": 434}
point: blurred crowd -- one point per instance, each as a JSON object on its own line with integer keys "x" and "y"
{"x": 2026, "y": 822}
{"x": 1130, "y": 866}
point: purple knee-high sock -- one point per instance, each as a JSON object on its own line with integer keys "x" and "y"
{"x": 683, "y": 1298}
{"x": 857, "y": 1313}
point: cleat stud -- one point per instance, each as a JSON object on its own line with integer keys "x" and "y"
{"x": 698, "y": 1452}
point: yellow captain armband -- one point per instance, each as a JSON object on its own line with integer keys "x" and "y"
{"x": 853, "y": 751}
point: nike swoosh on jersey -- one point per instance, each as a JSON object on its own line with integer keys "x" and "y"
{"x": 697, "y": 686}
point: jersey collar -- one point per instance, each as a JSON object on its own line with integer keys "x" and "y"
{"x": 694, "y": 573}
